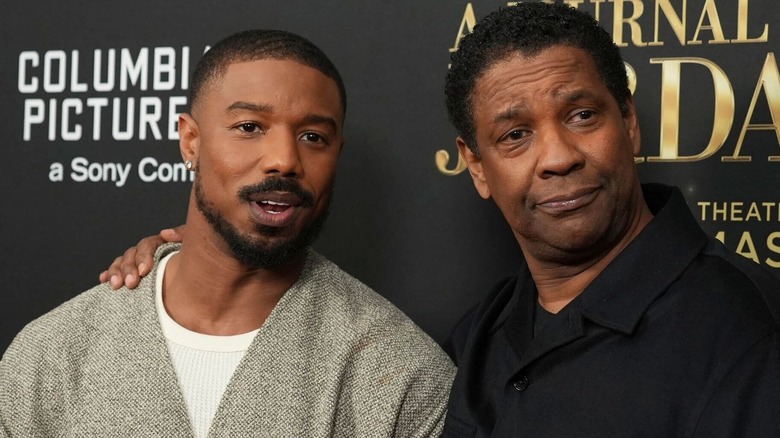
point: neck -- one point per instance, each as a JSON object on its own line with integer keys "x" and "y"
{"x": 206, "y": 290}
{"x": 559, "y": 281}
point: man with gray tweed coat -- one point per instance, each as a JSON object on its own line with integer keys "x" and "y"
{"x": 242, "y": 330}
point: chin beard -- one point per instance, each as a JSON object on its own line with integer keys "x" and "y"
{"x": 251, "y": 251}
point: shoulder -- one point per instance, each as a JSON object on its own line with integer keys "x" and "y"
{"x": 69, "y": 325}
{"x": 344, "y": 296}
{"x": 70, "y": 328}
{"x": 50, "y": 355}
{"x": 731, "y": 283}
{"x": 488, "y": 312}
{"x": 358, "y": 314}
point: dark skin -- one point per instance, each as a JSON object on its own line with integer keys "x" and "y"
{"x": 264, "y": 119}
{"x": 127, "y": 269}
{"x": 556, "y": 155}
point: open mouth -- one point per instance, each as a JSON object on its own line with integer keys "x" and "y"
{"x": 273, "y": 207}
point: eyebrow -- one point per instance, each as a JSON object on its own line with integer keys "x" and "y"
{"x": 509, "y": 114}
{"x": 248, "y": 106}
{"x": 316, "y": 119}
{"x": 577, "y": 95}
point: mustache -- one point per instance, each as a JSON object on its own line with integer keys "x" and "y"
{"x": 278, "y": 184}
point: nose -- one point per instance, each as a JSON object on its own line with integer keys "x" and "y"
{"x": 281, "y": 155}
{"x": 559, "y": 153}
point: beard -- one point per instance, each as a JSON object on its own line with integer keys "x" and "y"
{"x": 252, "y": 251}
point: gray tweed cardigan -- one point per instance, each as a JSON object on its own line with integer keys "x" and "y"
{"x": 333, "y": 359}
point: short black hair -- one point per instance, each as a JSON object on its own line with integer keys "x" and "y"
{"x": 527, "y": 28}
{"x": 253, "y": 45}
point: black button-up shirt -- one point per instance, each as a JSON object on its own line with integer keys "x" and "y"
{"x": 677, "y": 337}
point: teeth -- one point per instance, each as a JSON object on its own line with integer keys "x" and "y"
{"x": 275, "y": 203}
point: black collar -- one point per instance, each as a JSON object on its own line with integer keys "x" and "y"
{"x": 622, "y": 293}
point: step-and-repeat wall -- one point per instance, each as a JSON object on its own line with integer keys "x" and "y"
{"x": 90, "y": 162}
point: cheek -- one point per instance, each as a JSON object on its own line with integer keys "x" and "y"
{"x": 320, "y": 172}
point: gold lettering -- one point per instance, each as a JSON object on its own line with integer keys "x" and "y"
{"x": 770, "y": 243}
{"x": 703, "y": 205}
{"x": 618, "y": 21}
{"x": 674, "y": 20}
{"x": 769, "y": 206}
{"x": 466, "y": 26}
{"x": 736, "y": 212}
{"x": 721, "y": 236}
{"x": 742, "y": 26}
{"x": 443, "y": 157}
{"x": 747, "y": 242}
{"x": 769, "y": 80}
{"x": 711, "y": 12}
{"x": 670, "y": 109}
{"x": 753, "y": 212}
{"x": 631, "y": 73}
{"x": 597, "y": 13}
{"x": 719, "y": 211}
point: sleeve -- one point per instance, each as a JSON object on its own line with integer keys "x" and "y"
{"x": 424, "y": 407}
{"x": 746, "y": 402}
{"x": 396, "y": 384}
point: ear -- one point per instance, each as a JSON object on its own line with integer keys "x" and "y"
{"x": 189, "y": 138}
{"x": 632, "y": 125}
{"x": 474, "y": 163}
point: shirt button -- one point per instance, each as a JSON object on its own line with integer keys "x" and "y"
{"x": 521, "y": 384}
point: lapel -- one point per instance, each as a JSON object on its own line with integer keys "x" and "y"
{"x": 267, "y": 391}
{"x": 127, "y": 385}
{"x": 150, "y": 368}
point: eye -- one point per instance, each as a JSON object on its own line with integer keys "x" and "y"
{"x": 514, "y": 140}
{"x": 248, "y": 127}
{"x": 313, "y": 137}
{"x": 584, "y": 115}
{"x": 515, "y": 135}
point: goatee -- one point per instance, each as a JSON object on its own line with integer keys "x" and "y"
{"x": 253, "y": 252}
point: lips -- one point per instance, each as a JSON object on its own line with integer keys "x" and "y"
{"x": 275, "y": 209}
{"x": 569, "y": 201}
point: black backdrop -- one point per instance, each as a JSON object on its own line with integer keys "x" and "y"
{"x": 420, "y": 237}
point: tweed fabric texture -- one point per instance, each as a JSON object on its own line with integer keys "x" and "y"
{"x": 333, "y": 359}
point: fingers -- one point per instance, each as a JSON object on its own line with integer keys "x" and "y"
{"x": 172, "y": 234}
{"x": 128, "y": 275}
{"x": 113, "y": 275}
{"x": 137, "y": 261}
{"x": 144, "y": 256}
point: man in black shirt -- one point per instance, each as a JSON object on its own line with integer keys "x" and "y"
{"x": 625, "y": 318}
